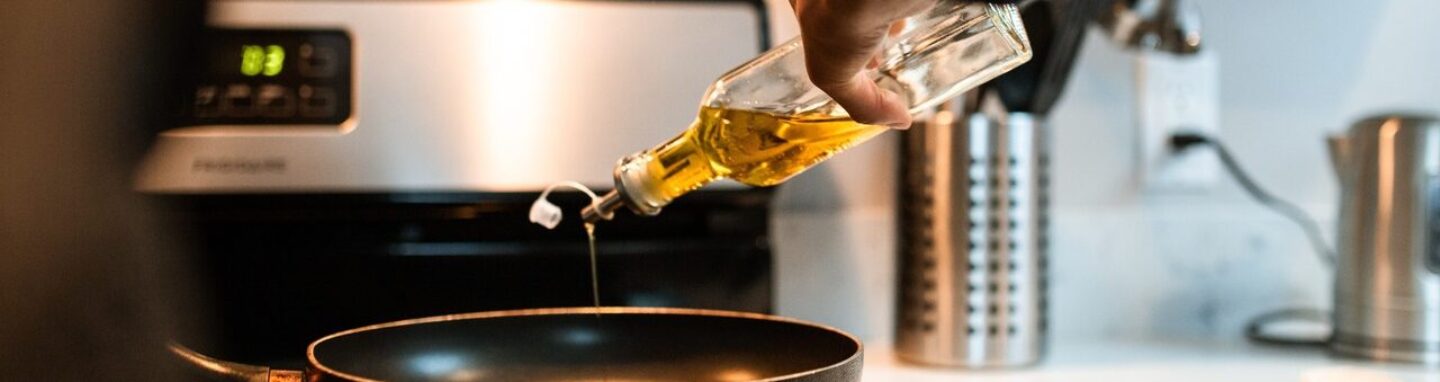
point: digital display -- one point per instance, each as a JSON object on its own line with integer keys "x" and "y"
{"x": 267, "y": 60}
{"x": 271, "y": 77}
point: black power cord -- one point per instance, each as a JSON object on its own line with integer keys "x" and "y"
{"x": 1262, "y": 328}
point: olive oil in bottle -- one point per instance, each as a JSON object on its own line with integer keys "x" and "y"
{"x": 751, "y": 147}
{"x": 764, "y": 121}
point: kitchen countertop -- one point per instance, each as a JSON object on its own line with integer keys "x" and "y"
{"x": 1118, "y": 361}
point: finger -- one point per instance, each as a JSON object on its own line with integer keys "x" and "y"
{"x": 839, "y": 44}
{"x": 870, "y": 104}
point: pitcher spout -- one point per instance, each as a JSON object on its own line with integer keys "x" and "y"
{"x": 1340, "y": 154}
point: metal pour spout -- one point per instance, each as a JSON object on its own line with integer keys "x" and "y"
{"x": 631, "y": 175}
{"x": 604, "y": 209}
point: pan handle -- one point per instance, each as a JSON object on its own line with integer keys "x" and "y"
{"x": 234, "y": 371}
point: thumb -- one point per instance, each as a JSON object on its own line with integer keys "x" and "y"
{"x": 868, "y": 103}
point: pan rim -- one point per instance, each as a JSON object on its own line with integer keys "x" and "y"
{"x": 666, "y": 311}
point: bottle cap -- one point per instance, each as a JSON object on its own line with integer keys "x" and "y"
{"x": 548, "y": 214}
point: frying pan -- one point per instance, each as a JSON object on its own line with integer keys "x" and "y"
{"x": 572, "y": 344}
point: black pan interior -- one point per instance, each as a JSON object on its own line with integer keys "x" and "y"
{"x": 580, "y": 346}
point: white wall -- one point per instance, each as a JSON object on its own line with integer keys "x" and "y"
{"x": 1128, "y": 263}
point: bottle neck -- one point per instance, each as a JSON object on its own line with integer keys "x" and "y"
{"x": 637, "y": 187}
{"x": 634, "y": 189}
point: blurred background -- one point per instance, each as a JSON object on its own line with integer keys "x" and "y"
{"x": 1133, "y": 260}
{"x": 245, "y": 176}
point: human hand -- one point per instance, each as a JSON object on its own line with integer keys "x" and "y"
{"x": 842, "y": 38}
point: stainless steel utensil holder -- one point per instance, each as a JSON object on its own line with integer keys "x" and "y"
{"x": 972, "y": 240}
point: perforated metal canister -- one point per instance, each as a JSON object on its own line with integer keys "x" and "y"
{"x": 972, "y": 241}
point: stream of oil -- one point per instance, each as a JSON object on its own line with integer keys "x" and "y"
{"x": 594, "y": 274}
{"x": 595, "y": 291}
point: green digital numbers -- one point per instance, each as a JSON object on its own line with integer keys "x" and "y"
{"x": 261, "y": 60}
{"x": 252, "y": 59}
{"x": 274, "y": 60}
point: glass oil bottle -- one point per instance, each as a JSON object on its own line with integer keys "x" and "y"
{"x": 764, "y": 122}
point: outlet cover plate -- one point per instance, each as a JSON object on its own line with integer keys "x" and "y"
{"x": 1177, "y": 94}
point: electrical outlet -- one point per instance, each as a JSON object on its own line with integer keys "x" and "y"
{"x": 1177, "y": 94}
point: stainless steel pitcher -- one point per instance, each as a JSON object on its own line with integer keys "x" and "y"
{"x": 1387, "y": 281}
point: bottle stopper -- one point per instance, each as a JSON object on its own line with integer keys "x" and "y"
{"x": 547, "y": 214}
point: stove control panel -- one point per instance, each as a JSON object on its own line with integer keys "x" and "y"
{"x": 279, "y": 77}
